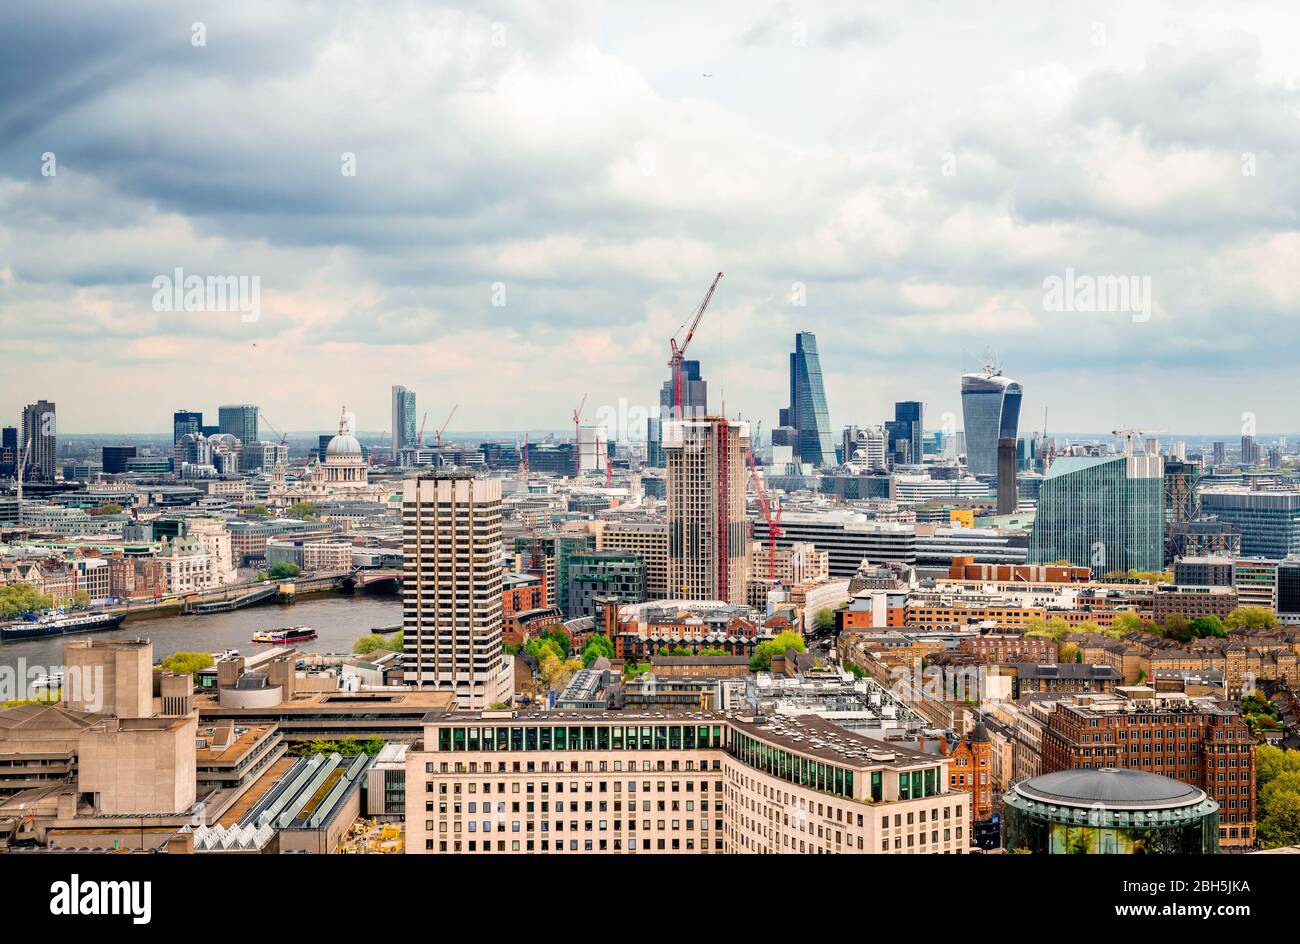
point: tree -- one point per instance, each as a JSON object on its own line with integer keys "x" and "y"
{"x": 1280, "y": 826}
{"x": 1055, "y": 628}
{"x": 186, "y": 663}
{"x": 1069, "y": 652}
{"x": 282, "y": 570}
{"x": 599, "y": 645}
{"x": 761, "y": 660}
{"x": 1177, "y": 626}
{"x": 1127, "y": 622}
{"x": 1272, "y": 761}
{"x": 367, "y": 644}
{"x": 1207, "y": 626}
{"x": 1251, "y": 617}
{"x": 712, "y": 651}
{"x": 81, "y": 599}
{"x": 825, "y": 620}
{"x": 303, "y": 510}
{"x": 16, "y": 598}
{"x": 260, "y": 510}
{"x": 853, "y": 668}
{"x": 108, "y": 508}
{"x": 395, "y": 642}
{"x": 499, "y": 706}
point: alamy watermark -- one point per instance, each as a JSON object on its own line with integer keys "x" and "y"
{"x": 1099, "y": 293}
{"x": 181, "y": 292}
{"x": 81, "y": 684}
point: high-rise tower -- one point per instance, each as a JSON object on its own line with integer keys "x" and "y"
{"x": 404, "y": 432}
{"x": 708, "y": 555}
{"x": 41, "y": 431}
{"x": 451, "y": 606}
{"x": 990, "y": 406}
{"x": 807, "y": 414}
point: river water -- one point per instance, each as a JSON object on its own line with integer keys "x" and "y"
{"x": 339, "y": 618}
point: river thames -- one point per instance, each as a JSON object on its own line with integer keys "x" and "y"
{"x": 339, "y": 618}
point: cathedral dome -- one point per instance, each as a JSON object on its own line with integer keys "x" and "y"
{"x": 344, "y": 445}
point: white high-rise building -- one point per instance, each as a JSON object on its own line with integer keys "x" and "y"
{"x": 451, "y": 524}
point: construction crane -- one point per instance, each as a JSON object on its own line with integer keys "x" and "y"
{"x": 577, "y": 445}
{"x": 773, "y": 521}
{"x": 679, "y": 351}
{"x": 22, "y": 467}
{"x": 284, "y": 437}
{"x": 1130, "y": 434}
{"x": 523, "y": 461}
{"x": 419, "y": 438}
{"x": 370, "y": 460}
{"x": 445, "y": 423}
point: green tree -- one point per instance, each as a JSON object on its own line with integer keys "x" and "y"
{"x": 81, "y": 599}
{"x": 367, "y": 644}
{"x": 282, "y": 570}
{"x": 16, "y": 598}
{"x": 598, "y": 645}
{"x": 1055, "y": 628}
{"x": 825, "y": 620}
{"x": 712, "y": 651}
{"x": 1207, "y": 626}
{"x": 853, "y": 668}
{"x": 761, "y": 660}
{"x": 191, "y": 663}
{"x": 304, "y": 510}
{"x": 395, "y": 642}
{"x": 1280, "y": 825}
{"x": 260, "y": 510}
{"x": 1251, "y": 617}
{"x": 1176, "y": 626}
{"x": 1271, "y": 761}
{"x": 1127, "y": 623}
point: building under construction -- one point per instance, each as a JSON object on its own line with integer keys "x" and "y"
{"x": 708, "y": 544}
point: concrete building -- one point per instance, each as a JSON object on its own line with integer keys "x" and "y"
{"x": 575, "y": 782}
{"x": 708, "y": 550}
{"x": 452, "y": 588}
{"x": 40, "y": 431}
{"x": 648, "y": 539}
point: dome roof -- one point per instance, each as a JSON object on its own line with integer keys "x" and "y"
{"x": 1113, "y": 787}
{"x": 344, "y": 444}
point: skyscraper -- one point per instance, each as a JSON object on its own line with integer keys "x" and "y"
{"x": 990, "y": 407}
{"x": 404, "y": 432}
{"x": 1103, "y": 512}
{"x": 708, "y": 556}
{"x": 185, "y": 423}
{"x": 451, "y": 607}
{"x": 1007, "y": 498}
{"x": 905, "y": 432}
{"x": 240, "y": 421}
{"x": 807, "y": 413}
{"x": 695, "y": 403}
{"x": 40, "y": 429}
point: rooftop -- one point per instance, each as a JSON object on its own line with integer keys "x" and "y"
{"x": 1116, "y": 788}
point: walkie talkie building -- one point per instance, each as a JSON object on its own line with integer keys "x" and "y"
{"x": 990, "y": 407}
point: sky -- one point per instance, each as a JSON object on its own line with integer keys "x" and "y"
{"x": 510, "y": 205}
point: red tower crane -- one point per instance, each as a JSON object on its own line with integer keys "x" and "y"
{"x": 445, "y": 424}
{"x": 577, "y": 446}
{"x": 679, "y": 352}
{"x": 773, "y": 522}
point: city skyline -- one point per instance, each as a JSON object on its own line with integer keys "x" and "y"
{"x": 906, "y": 243}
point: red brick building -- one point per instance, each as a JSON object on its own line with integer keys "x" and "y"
{"x": 1195, "y": 740}
{"x": 972, "y": 771}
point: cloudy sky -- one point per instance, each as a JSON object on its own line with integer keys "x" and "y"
{"x": 543, "y": 191}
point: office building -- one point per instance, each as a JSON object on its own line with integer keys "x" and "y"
{"x": 611, "y": 575}
{"x": 404, "y": 431}
{"x": 646, "y": 539}
{"x": 866, "y": 446}
{"x": 1007, "y": 499}
{"x": 185, "y": 423}
{"x": 1288, "y": 590}
{"x": 1269, "y": 521}
{"x": 451, "y": 547}
{"x": 708, "y": 544}
{"x": 1197, "y": 741}
{"x": 905, "y": 433}
{"x": 695, "y": 404}
{"x": 1109, "y": 811}
{"x": 1249, "y": 451}
{"x": 807, "y": 414}
{"x": 673, "y": 781}
{"x": 114, "y": 458}
{"x": 990, "y": 406}
{"x": 1219, "y": 453}
{"x": 239, "y": 421}
{"x": 40, "y": 433}
{"x": 1103, "y": 512}
{"x": 1255, "y": 580}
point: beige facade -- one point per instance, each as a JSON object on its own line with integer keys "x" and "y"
{"x": 109, "y": 676}
{"x": 452, "y": 588}
{"x": 708, "y": 542}
{"x": 132, "y": 766}
{"x": 649, "y": 539}
{"x": 673, "y": 782}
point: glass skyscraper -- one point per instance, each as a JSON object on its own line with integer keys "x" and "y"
{"x": 905, "y": 436}
{"x": 695, "y": 404}
{"x": 404, "y": 433}
{"x": 990, "y": 407}
{"x": 807, "y": 414}
{"x": 240, "y": 421}
{"x": 1106, "y": 513}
